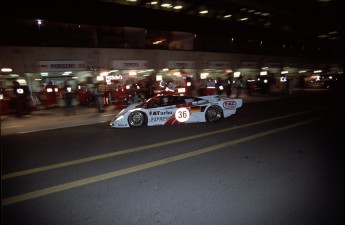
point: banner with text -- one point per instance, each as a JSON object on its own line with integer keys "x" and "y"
{"x": 129, "y": 64}
{"x": 181, "y": 64}
{"x": 51, "y": 66}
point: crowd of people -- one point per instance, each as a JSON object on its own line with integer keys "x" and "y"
{"x": 101, "y": 94}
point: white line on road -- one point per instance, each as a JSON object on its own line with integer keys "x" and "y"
{"x": 110, "y": 175}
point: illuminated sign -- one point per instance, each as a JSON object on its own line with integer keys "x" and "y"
{"x": 129, "y": 64}
{"x": 113, "y": 77}
{"x": 51, "y": 66}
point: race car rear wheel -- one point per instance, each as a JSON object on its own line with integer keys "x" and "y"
{"x": 214, "y": 113}
{"x": 137, "y": 119}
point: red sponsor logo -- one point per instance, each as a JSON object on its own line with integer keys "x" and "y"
{"x": 229, "y": 105}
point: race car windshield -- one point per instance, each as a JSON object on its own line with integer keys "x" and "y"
{"x": 151, "y": 103}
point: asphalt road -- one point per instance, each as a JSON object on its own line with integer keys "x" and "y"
{"x": 273, "y": 162}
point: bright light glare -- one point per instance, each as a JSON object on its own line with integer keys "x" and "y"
{"x": 166, "y": 5}
{"x": 203, "y": 75}
{"x": 6, "y": 70}
{"x": 181, "y": 90}
{"x": 178, "y": 7}
{"x": 21, "y": 81}
{"x": 159, "y": 78}
{"x": 237, "y": 74}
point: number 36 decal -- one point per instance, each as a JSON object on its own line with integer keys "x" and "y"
{"x": 182, "y": 114}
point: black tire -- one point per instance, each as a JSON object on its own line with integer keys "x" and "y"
{"x": 214, "y": 114}
{"x": 137, "y": 119}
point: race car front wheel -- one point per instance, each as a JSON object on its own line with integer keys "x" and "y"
{"x": 136, "y": 119}
{"x": 214, "y": 113}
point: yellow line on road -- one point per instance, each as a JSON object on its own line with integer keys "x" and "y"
{"x": 106, "y": 176}
{"x": 141, "y": 148}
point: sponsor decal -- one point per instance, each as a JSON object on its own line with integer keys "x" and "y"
{"x": 159, "y": 119}
{"x": 122, "y": 125}
{"x": 229, "y": 105}
{"x": 160, "y": 113}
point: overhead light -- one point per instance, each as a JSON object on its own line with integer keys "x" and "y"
{"x": 6, "y": 70}
{"x": 203, "y": 12}
{"x": 227, "y": 16}
{"x": 66, "y": 73}
{"x": 166, "y": 5}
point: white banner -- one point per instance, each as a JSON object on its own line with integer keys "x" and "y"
{"x": 181, "y": 64}
{"x": 217, "y": 65}
{"x": 51, "y": 66}
{"x": 129, "y": 64}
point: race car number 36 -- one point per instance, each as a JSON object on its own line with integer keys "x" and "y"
{"x": 182, "y": 114}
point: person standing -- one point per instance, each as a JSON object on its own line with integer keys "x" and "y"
{"x": 291, "y": 85}
{"x": 99, "y": 93}
{"x": 68, "y": 94}
{"x": 229, "y": 86}
{"x": 239, "y": 86}
{"x": 219, "y": 86}
{"x": 17, "y": 99}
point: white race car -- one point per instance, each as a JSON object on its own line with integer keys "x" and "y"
{"x": 176, "y": 109}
